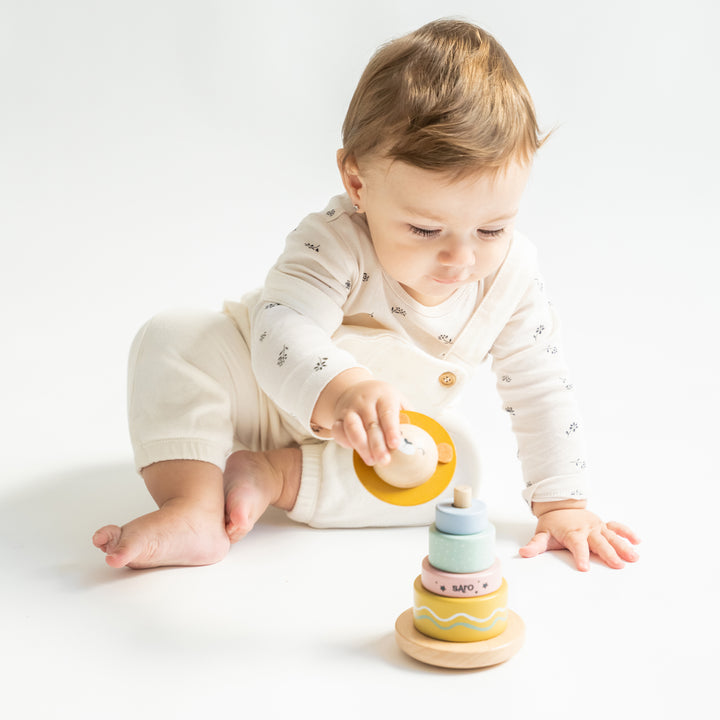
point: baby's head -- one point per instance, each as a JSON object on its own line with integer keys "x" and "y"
{"x": 444, "y": 98}
{"x": 437, "y": 147}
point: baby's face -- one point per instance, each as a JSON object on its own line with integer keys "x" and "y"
{"x": 433, "y": 235}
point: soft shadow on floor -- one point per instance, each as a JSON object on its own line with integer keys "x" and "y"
{"x": 514, "y": 532}
{"x": 518, "y": 534}
{"x": 47, "y": 523}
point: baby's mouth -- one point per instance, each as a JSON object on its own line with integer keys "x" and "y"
{"x": 449, "y": 280}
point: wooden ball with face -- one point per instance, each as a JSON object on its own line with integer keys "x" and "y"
{"x": 413, "y": 462}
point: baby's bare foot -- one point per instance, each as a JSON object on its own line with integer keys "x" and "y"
{"x": 179, "y": 533}
{"x": 254, "y": 480}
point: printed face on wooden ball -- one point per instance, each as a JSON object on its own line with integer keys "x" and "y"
{"x": 413, "y": 462}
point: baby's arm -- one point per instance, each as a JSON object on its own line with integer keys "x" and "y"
{"x": 532, "y": 381}
{"x": 568, "y": 524}
{"x": 300, "y": 368}
{"x": 362, "y": 413}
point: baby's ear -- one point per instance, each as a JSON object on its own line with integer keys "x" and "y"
{"x": 445, "y": 452}
{"x": 350, "y": 175}
{"x": 404, "y": 419}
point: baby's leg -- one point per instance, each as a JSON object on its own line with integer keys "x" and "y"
{"x": 192, "y": 394}
{"x": 181, "y": 398}
{"x": 254, "y": 480}
{"x": 186, "y": 529}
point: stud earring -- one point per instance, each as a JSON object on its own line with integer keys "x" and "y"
{"x": 357, "y": 208}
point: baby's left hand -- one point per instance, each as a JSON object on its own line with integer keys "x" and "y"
{"x": 567, "y": 524}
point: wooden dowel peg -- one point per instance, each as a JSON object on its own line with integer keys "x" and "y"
{"x": 462, "y": 497}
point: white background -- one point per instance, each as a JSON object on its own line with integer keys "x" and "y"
{"x": 155, "y": 154}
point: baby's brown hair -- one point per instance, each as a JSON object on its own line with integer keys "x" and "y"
{"x": 447, "y": 98}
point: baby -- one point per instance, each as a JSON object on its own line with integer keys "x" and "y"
{"x": 387, "y": 299}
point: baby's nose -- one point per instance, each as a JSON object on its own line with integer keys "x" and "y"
{"x": 457, "y": 253}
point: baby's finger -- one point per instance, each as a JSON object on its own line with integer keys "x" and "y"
{"x": 354, "y": 430}
{"x": 577, "y": 543}
{"x": 621, "y": 546}
{"x": 377, "y": 446}
{"x": 389, "y": 417}
{"x": 338, "y": 434}
{"x": 538, "y": 544}
{"x": 624, "y": 531}
{"x": 599, "y": 544}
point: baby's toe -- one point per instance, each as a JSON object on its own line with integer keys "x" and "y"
{"x": 109, "y": 540}
{"x": 106, "y": 537}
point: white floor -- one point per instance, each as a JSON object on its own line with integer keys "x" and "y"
{"x": 155, "y": 154}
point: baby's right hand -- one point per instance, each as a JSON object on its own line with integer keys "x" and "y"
{"x": 367, "y": 419}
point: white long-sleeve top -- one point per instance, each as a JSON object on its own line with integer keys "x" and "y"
{"x": 327, "y": 306}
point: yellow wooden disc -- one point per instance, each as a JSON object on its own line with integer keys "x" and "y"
{"x": 422, "y": 493}
{"x": 460, "y": 619}
{"x": 460, "y": 655}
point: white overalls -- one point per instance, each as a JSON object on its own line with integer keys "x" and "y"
{"x": 204, "y": 384}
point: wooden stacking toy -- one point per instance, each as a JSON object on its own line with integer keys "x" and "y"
{"x": 460, "y": 616}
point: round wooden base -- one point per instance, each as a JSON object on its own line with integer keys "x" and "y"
{"x": 467, "y": 655}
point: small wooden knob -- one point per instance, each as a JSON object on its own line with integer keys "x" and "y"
{"x": 445, "y": 452}
{"x": 463, "y": 496}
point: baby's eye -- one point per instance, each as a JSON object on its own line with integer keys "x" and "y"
{"x": 422, "y": 232}
{"x": 491, "y": 233}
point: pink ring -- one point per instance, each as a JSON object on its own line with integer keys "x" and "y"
{"x": 460, "y": 584}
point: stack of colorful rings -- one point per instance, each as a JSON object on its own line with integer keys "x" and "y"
{"x": 460, "y": 615}
{"x": 461, "y": 596}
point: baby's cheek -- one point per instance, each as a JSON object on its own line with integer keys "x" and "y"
{"x": 493, "y": 258}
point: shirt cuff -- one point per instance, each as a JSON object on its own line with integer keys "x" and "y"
{"x": 560, "y": 487}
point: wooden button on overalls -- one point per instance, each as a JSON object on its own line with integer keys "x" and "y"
{"x": 448, "y": 379}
